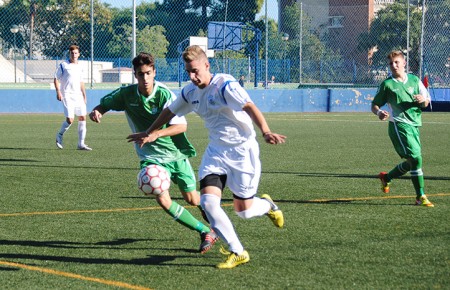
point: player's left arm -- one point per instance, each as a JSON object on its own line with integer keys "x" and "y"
{"x": 423, "y": 98}
{"x": 170, "y": 130}
{"x": 258, "y": 118}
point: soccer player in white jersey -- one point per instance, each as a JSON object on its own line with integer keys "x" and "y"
{"x": 405, "y": 96}
{"x": 70, "y": 91}
{"x": 142, "y": 103}
{"x": 232, "y": 156}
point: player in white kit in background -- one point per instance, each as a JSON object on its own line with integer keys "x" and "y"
{"x": 71, "y": 92}
{"x": 232, "y": 156}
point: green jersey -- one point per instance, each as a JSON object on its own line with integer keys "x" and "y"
{"x": 141, "y": 111}
{"x": 399, "y": 96}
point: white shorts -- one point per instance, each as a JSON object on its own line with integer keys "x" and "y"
{"x": 74, "y": 105}
{"x": 240, "y": 163}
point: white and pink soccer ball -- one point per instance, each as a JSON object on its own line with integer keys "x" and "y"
{"x": 153, "y": 179}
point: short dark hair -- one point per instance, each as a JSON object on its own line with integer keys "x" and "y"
{"x": 143, "y": 58}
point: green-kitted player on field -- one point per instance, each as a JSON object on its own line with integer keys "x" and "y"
{"x": 405, "y": 96}
{"x": 142, "y": 103}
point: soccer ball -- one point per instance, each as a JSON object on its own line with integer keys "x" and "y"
{"x": 153, "y": 179}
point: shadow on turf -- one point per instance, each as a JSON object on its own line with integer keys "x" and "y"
{"x": 149, "y": 260}
{"x": 363, "y": 176}
{"x": 72, "y": 245}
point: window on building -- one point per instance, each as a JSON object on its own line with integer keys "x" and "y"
{"x": 335, "y": 21}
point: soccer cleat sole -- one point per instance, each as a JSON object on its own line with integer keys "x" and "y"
{"x": 84, "y": 148}
{"x": 276, "y": 216}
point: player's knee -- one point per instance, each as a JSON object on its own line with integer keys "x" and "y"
{"x": 209, "y": 201}
{"x": 192, "y": 198}
{"x": 415, "y": 162}
{"x": 245, "y": 214}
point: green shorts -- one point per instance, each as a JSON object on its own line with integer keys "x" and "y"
{"x": 181, "y": 173}
{"x": 406, "y": 139}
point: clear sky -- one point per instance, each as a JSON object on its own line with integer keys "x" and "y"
{"x": 272, "y": 10}
{"x": 272, "y": 6}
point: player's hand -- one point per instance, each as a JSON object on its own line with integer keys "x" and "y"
{"x": 141, "y": 138}
{"x": 274, "y": 138}
{"x": 419, "y": 99}
{"x": 95, "y": 116}
{"x": 383, "y": 115}
{"x": 58, "y": 96}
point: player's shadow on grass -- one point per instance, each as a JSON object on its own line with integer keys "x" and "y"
{"x": 148, "y": 261}
{"x": 108, "y": 245}
{"x": 17, "y": 160}
{"x": 77, "y": 245}
{"x": 362, "y": 176}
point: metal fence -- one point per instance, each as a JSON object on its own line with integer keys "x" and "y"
{"x": 310, "y": 42}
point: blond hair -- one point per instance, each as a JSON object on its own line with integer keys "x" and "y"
{"x": 395, "y": 53}
{"x": 194, "y": 52}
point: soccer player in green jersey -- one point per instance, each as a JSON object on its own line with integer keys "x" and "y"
{"x": 405, "y": 97}
{"x": 142, "y": 103}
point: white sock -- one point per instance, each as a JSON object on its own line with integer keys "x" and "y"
{"x": 81, "y": 132}
{"x": 64, "y": 127}
{"x": 259, "y": 207}
{"x": 220, "y": 222}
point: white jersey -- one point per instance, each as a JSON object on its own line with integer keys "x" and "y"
{"x": 70, "y": 76}
{"x": 220, "y": 106}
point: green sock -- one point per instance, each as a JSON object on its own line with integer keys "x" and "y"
{"x": 398, "y": 171}
{"x": 184, "y": 217}
{"x": 418, "y": 182}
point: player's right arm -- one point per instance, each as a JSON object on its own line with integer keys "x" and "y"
{"x": 382, "y": 114}
{"x": 112, "y": 101}
{"x": 97, "y": 113}
{"x": 378, "y": 101}
{"x": 151, "y": 134}
{"x": 58, "y": 75}
{"x": 57, "y": 88}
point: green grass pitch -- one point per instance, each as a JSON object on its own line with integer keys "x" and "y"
{"x": 72, "y": 219}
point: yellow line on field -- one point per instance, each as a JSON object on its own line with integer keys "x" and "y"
{"x": 72, "y": 275}
{"x": 374, "y": 197}
{"x": 79, "y": 211}
{"x": 86, "y": 211}
{"x": 190, "y": 206}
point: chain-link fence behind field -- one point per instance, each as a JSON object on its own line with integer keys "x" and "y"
{"x": 310, "y": 42}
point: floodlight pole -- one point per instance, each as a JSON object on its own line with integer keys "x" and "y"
{"x": 285, "y": 39}
{"x": 300, "y": 43}
{"x": 92, "y": 44}
{"x": 133, "y": 46}
{"x": 407, "y": 39}
{"x": 421, "y": 65}
{"x": 14, "y": 29}
{"x": 267, "y": 48}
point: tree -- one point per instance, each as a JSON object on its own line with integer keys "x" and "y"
{"x": 319, "y": 63}
{"x": 152, "y": 39}
{"x": 436, "y": 58}
{"x": 388, "y": 31}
